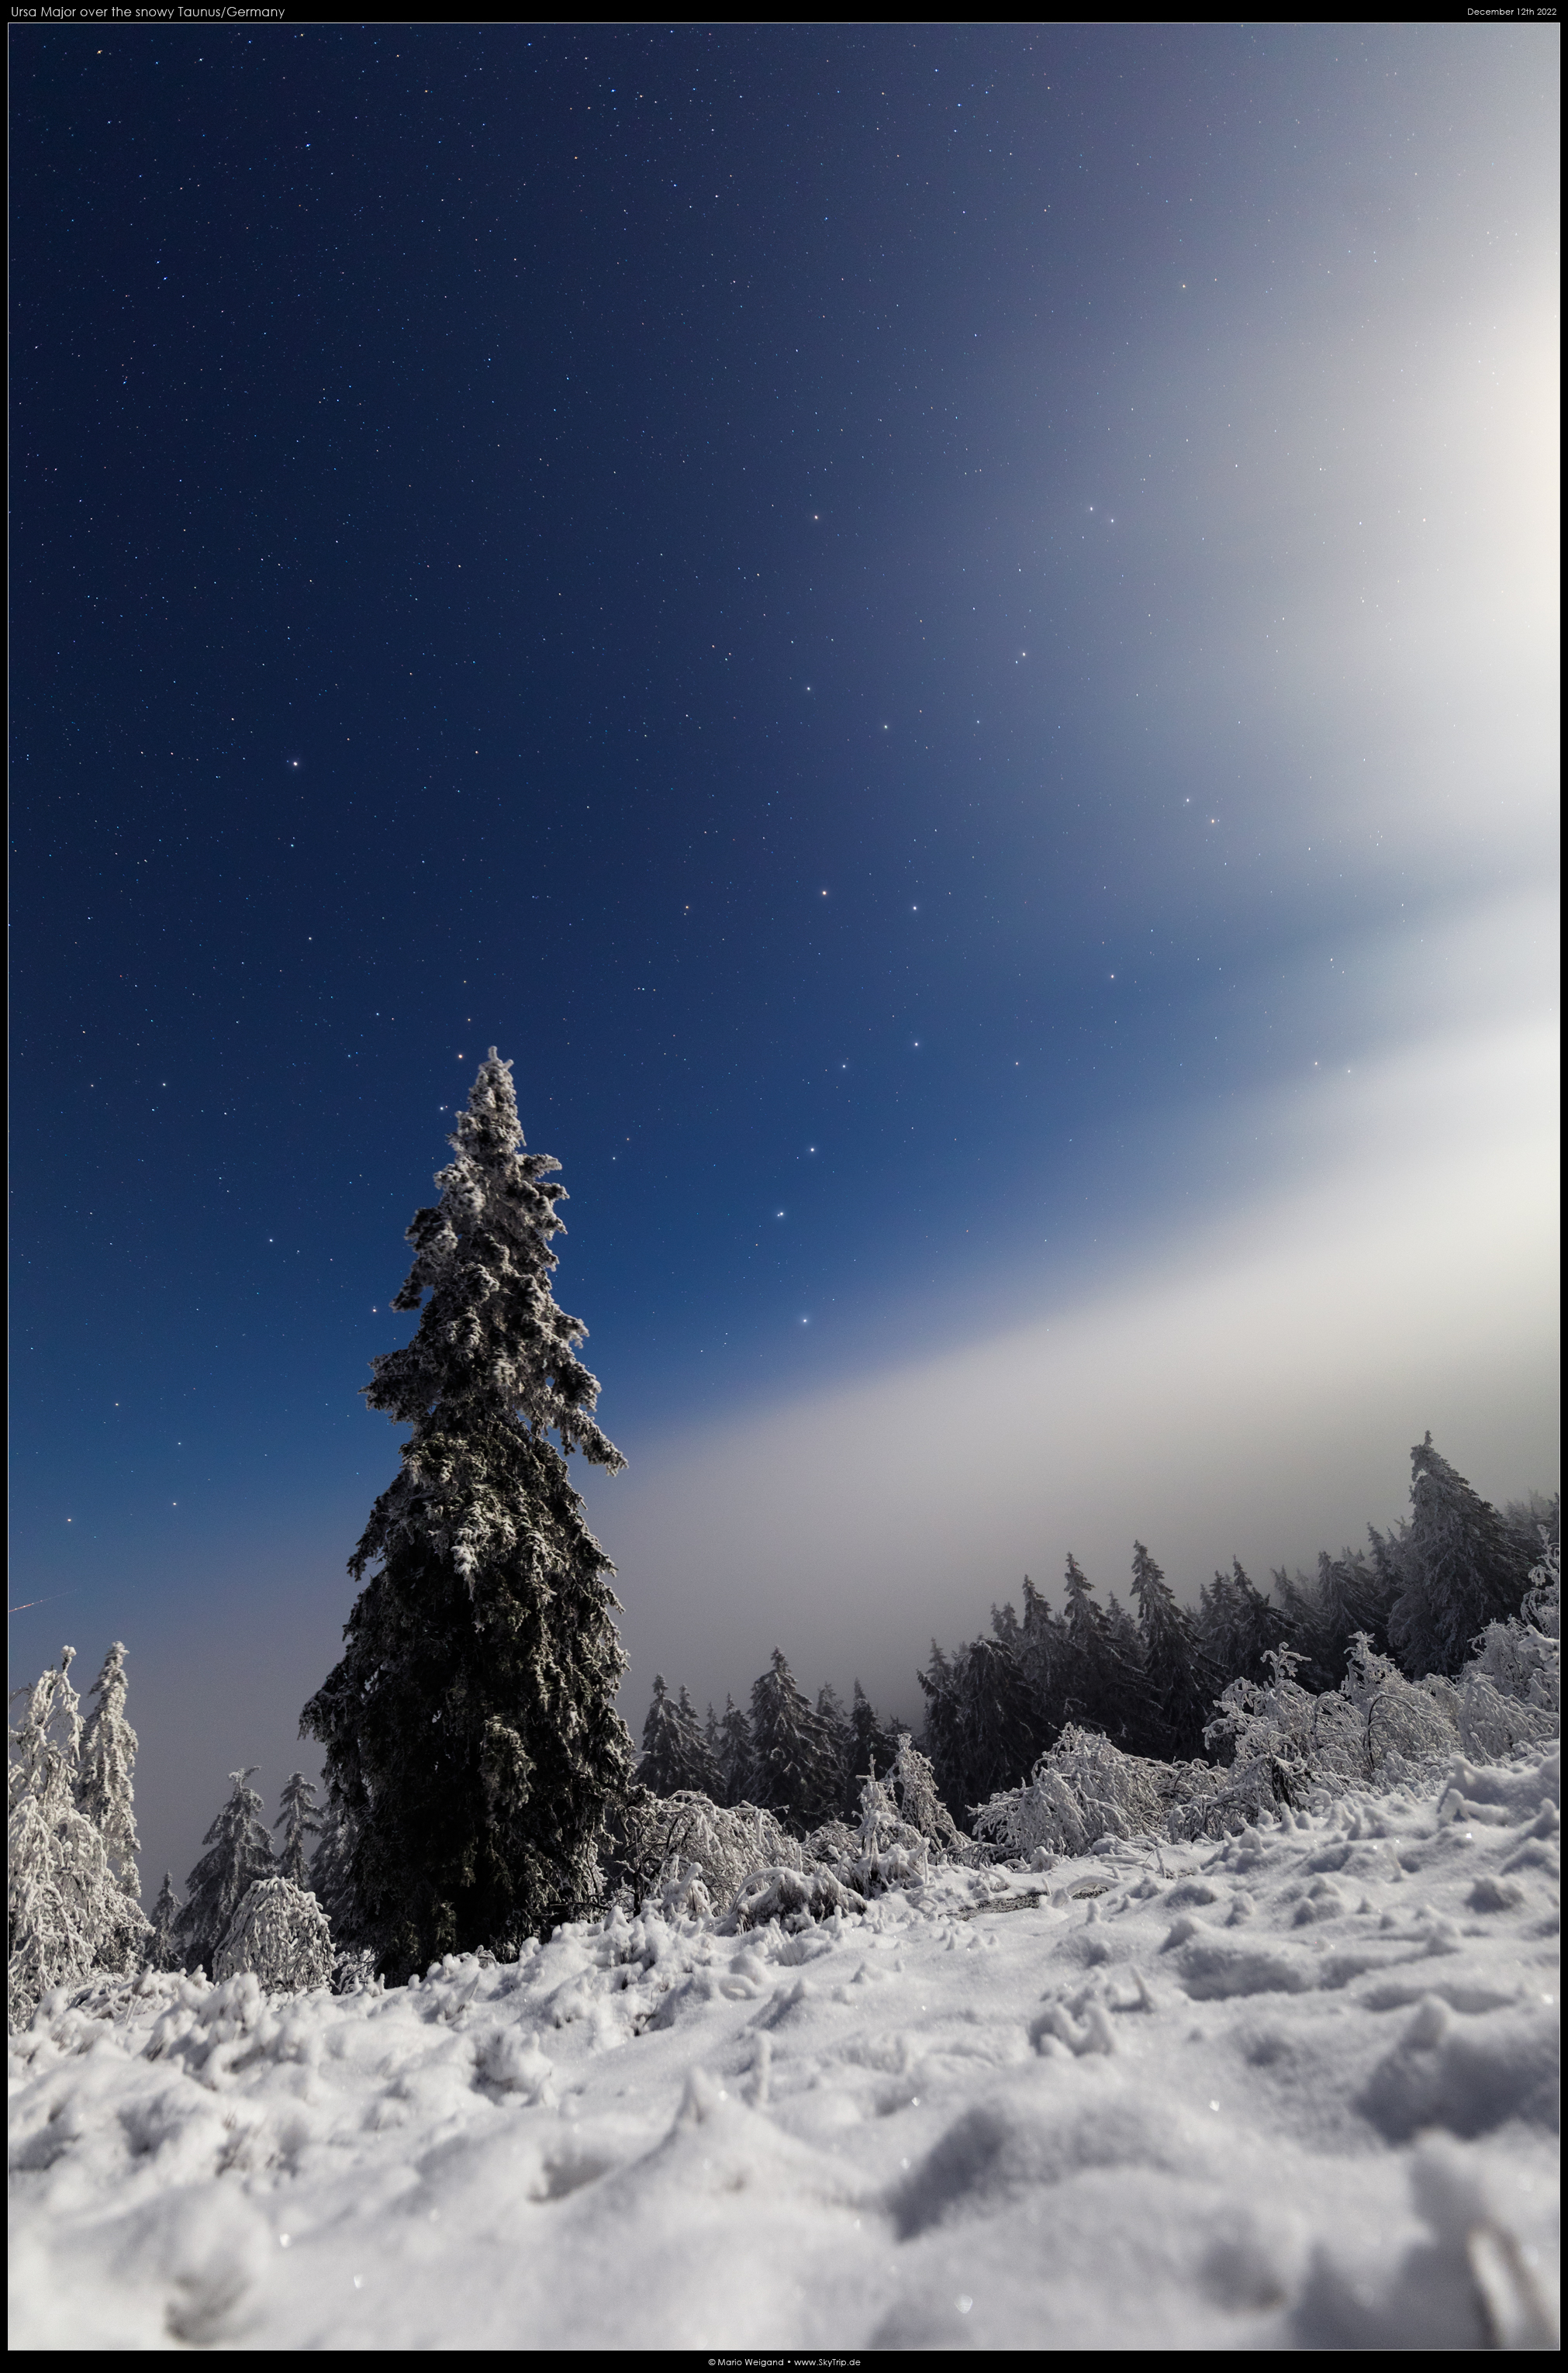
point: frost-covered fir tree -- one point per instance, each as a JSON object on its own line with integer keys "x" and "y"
{"x": 1237, "y": 1625}
{"x": 106, "y": 1771}
{"x": 66, "y": 1913}
{"x": 1178, "y": 1684}
{"x": 700, "y": 1760}
{"x": 470, "y": 1730}
{"x": 163, "y": 1946}
{"x": 982, "y": 1723}
{"x": 675, "y": 1755}
{"x": 794, "y": 1770}
{"x": 330, "y": 1874}
{"x": 660, "y": 1758}
{"x": 239, "y": 1851}
{"x": 1324, "y": 1613}
{"x": 1042, "y": 1650}
{"x": 297, "y": 1817}
{"x": 871, "y": 1749}
{"x": 1102, "y": 1675}
{"x": 735, "y": 1757}
{"x": 838, "y": 1742}
{"x": 1462, "y": 1566}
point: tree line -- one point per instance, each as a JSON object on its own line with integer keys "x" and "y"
{"x": 1147, "y": 1675}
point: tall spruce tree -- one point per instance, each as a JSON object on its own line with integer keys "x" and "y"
{"x": 794, "y": 1767}
{"x": 331, "y": 1878}
{"x": 163, "y": 1946}
{"x": 1101, "y": 1683}
{"x": 838, "y": 1741}
{"x": 1463, "y": 1566}
{"x": 106, "y": 1773}
{"x": 675, "y": 1754}
{"x": 660, "y": 1762}
{"x": 1236, "y": 1627}
{"x": 297, "y": 1817}
{"x": 1177, "y": 1683}
{"x": 470, "y": 1729}
{"x": 66, "y": 1913}
{"x": 736, "y": 1760}
{"x": 871, "y": 1749}
{"x": 701, "y": 1763}
{"x": 1043, "y": 1650}
{"x": 239, "y": 1851}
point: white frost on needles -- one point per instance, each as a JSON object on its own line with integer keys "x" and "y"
{"x": 1291, "y": 2088}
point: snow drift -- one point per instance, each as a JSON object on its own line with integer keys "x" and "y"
{"x": 1293, "y": 2087}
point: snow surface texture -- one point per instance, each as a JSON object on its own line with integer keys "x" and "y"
{"x": 1291, "y": 2089}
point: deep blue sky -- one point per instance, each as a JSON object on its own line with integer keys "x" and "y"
{"x": 946, "y": 635}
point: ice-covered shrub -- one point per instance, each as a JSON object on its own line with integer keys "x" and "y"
{"x": 794, "y": 1897}
{"x": 1510, "y": 1692}
{"x": 1375, "y": 1728}
{"x": 1082, "y": 1789}
{"x": 885, "y": 1851}
{"x": 281, "y": 1933}
{"x": 915, "y": 1792}
{"x": 670, "y": 1844}
{"x": 354, "y": 1971}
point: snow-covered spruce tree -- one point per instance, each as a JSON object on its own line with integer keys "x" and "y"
{"x": 329, "y": 1877}
{"x": 1324, "y": 1613}
{"x": 66, "y": 1913}
{"x": 871, "y": 1749}
{"x": 1043, "y": 1651}
{"x": 1178, "y": 1685}
{"x": 163, "y": 1946}
{"x": 1463, "y": 1567}
{"x": 700, "y": 1760}
{"x": 838, "y": 1739}
{"x": 1093, "y": 1691}
{"x": 795, "y": 1770}
{"x": 237, "y": 1853}
{"x": 736, "y": 1758}
{"x": 675, "y": 1755}
{"x": 659, "y": 1765}
{"x": 982, "y": 1722}
{"x": 470, "y": 1730}
{"x": 106, "y": 1771}
{"x": 298, "y": 1819}
{"x": 1236, "y": 1626}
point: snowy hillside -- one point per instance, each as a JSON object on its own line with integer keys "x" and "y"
{"x": 1296, "y": 2087}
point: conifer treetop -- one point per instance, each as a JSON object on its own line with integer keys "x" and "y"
{"x": 491, "y": 1341}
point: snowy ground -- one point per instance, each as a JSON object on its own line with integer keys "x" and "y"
{"x": 1293, "y": 2090}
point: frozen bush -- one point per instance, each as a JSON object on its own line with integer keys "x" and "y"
{"x": 353, "y": 1973}
{"x": 913, "y": 1783}
{"x": 1375, "y": 1728}
{"x": 885, "y": 1851}
{"x": 1081, "y": 1789}
{"x": 281, "y": 1934}
{"x": 669, "y": 1843}
{"x": 794, "y": 1897}
{"x": 1510, "y": 1692}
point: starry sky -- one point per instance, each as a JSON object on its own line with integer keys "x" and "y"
{"x": 947, "y": 635}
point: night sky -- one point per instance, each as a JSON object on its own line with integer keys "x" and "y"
{"x": 948, "y": 635}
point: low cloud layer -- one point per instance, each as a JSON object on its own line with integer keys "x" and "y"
{"x": 1251, "y": 1392}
